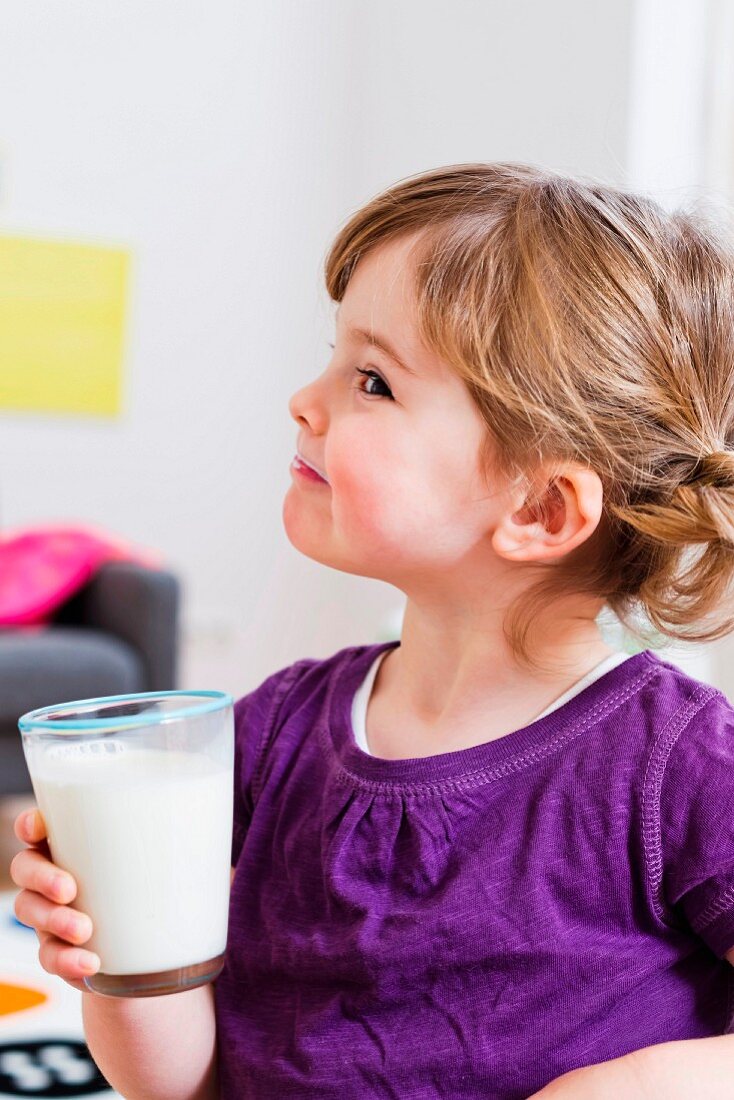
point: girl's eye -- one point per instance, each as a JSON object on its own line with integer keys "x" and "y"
{"x": 373, "y": 376}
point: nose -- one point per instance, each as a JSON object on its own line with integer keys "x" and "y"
{"x": 308, "y": 409}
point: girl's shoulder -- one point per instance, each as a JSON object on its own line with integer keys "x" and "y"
{"x": 301, "y": 689}
{"x": 683, "y": 709}
{"x": 693, "y": 749}
{"x": 311, "y": 674}
{"x": 272, "y": 721}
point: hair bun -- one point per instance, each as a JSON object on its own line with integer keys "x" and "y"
{"x": 715, "y": 469}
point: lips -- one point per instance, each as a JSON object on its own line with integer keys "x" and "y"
{"x": 303, "y": 467}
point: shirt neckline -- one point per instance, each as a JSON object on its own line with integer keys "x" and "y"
{"x": 513, "y": 750}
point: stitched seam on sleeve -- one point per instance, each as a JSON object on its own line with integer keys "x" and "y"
{"x": 715, "y": 908}
{"x": 276, "y": 705}
{"x": 651, "y": 794}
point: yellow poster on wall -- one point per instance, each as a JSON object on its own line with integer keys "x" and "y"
{"x": 62, "y": 312}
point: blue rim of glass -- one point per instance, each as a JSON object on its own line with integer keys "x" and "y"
{"x": 33, "y": 720}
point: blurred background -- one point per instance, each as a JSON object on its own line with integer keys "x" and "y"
{"x": 198, "y": 159}
{"x": 171, "y": 176}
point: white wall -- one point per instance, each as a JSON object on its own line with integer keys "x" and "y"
{"x": 497, "y": 80}
{"x": 207, "y": 137}
{"x": 225, "y": 144}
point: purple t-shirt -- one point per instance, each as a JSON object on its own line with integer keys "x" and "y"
{"x": 477, "y": 923}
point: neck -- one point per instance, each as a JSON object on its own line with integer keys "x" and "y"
{"x": 446, "y": 668}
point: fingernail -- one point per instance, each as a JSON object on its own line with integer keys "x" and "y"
{"x": 88, "y": 962}
{"x": 76, "y": 927}
{"x": 27, "y": 822}
{"x": 60, "y": 886}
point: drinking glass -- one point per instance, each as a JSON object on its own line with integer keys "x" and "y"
{"x": 137, "y": 795}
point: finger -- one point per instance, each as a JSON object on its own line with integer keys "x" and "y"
{"x": 69, "y": 963}
{"x": 67, "y": 924}
{"x": 33, "y": 871}
{"x": 42, "y": 937}
{"x": 30, "y": 827}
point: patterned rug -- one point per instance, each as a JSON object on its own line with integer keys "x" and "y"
{"x": 42, "y": 1048}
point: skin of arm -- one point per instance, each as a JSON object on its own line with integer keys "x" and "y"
{"x": 688, "y": 1069}
{"x": 155, "y": 1048}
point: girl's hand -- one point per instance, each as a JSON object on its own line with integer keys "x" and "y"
{"x": 43, "y": 904}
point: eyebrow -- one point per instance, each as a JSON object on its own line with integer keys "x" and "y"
{"x": 364, "y": 336}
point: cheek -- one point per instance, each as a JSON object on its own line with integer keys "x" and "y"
{"x": 357, "y": 458}
{"x": 384, "y": 491}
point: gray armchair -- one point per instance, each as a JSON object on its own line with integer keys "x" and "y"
{"x": 119, "y": 634}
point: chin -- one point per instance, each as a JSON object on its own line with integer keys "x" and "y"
{"x": 315, "y": 543}
{"x": 312, "y": 546}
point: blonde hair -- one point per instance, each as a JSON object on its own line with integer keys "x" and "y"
{"x": 589, "y": 326}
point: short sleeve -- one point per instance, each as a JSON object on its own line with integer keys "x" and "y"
{"x": 255, "y": 716}
{"x": 697, "y": 824}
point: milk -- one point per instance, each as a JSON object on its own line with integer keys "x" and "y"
{"x": 147, "y": 835}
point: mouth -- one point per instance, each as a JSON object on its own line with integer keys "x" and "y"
{"x": 304, "y": 469}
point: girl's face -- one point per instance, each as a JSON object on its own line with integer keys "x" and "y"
{"x": 405, "y": 499}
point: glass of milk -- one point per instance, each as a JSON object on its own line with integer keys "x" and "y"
{"x": 136, "y": 792}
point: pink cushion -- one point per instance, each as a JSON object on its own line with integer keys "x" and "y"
{"x": 41, "y": 568}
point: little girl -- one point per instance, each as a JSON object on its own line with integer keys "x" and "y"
{"x": 496, "y": 858}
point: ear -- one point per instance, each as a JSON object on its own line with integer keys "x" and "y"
{"x": 571, "y": 507}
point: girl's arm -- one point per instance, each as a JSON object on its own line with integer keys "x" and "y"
{"x": 148, "y": 1048}
{"x": 155, "y": 1048}
{"x": 687, "y": 1069}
